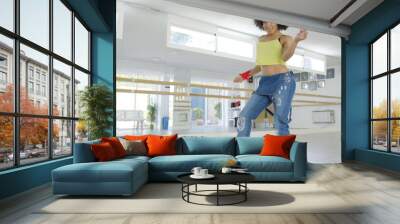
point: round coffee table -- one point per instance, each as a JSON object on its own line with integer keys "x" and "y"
{"x": 238, "y": 179}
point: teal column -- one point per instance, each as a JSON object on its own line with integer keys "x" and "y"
{"x": 103, "y": 64}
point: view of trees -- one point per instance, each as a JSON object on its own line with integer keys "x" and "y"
{"x": 380, "y": 127}
{"x": 34, "y": 131}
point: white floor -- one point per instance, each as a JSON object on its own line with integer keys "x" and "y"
{"x": 323, "y": 144}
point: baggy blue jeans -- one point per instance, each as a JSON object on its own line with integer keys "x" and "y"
{"x": 277, "y": 89}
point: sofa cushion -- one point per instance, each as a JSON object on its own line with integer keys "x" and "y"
{"x": 116, "y": 145}
{"x": 134, "y": 147}
{"x": 277, "y": 145}
{"x": 257, "y": 163}
{"x": 195, "y": 145}
{"x": 159, "y": 145}
{"x": 112, "y": 171}
{"x": 136, "y": 137}
{"x": 249, "y": 145}
{"x": 103, "y": 152}
{"x": 185, "y": 163}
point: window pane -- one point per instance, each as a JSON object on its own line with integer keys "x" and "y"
{"x": 395, "y": 47}
{"x": 198, "y": 106}
{"x": 35, "y": 21}
{"x": 62, "y": 138}
{"x": 395, "y": 94}
{"x": 6, "y": 74}
{"x": 379, "y": 135}
{"x": 6, "y": 142}
{"x": 214, "y": 108}
{"x": 81, "y": 81}
{"x": 33, "y": 139}
{"x": 395, "y": 136}
{"x": 235, "y": 47}
{"x": 34, "y": 72}
{"x": 379, "y": 98}
{"x": 191, "y": 38}
{"x": 81, "y": 45}
{"x": 62, "y": 89}
{"x": 379, "y": 55}
{"x": 62, "y": 29}
{"x": 81, "y": 132}
{"x": 7, "y": 14}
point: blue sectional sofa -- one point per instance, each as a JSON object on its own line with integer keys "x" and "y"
{"x": 125, "y": 176}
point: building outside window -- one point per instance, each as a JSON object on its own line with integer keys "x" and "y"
{"x": 30, "y": 87}
{"x": 30, "y": 72}
{"x": 34, "y": 79}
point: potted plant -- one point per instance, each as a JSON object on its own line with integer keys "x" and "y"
{"x": 96, "y": 102}
{"x": 198, "y": 115}
{"x": 151, "y": 114}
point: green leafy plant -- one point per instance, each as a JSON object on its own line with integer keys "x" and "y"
{"x": 151, "y": 114}
{"x": 96, "y": 103}
{"x": 217, "y": 108}
{"x": 198, "y": 113}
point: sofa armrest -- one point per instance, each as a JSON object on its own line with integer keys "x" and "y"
{"x": 83, "y": 152}
{"x": 298, "y": 155}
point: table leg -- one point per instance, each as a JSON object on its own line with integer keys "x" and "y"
{"x": 217, "y": 194}
{"x": 245, "y": 193}
{"x": 195, "y": 188}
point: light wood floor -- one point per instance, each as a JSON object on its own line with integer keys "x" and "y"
{"x": 377, "y": 188}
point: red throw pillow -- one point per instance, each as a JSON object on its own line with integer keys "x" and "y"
{"x": 161, "y": 145}
{"x": 103, "y": 152}
{"x": 277, "y": 145}
{"x": 116, "y": 145}
{"x": 136, "y": 137}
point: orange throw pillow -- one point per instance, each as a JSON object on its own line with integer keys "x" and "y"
{"x": 103, "y": 152}
{"x": 277, "y": 145}
{"x": 161, "y": 145}
{"x": 116, "y": 145}
{"x": 136, "y": 137}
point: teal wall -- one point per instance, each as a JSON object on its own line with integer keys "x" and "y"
{"x": 99, "y": 16}
{"x": 24, "y": 178}
{"x": 356, "y": 101}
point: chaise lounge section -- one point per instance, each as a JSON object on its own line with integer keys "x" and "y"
{"x": 125, "y": 176}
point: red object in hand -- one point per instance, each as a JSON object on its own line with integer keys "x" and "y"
{"x": 246, "y": 75}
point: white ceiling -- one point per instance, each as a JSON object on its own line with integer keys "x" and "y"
{"x": 144, "y": 36}
{"x": 319, "y": 9}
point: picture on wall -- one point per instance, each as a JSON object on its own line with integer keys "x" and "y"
{"x": 312, "y": 85}
{"x": 330, "y": 73}
{"x": 321, "y": 76}
{"x": 304, "y": 85}
{"x": 304, "y": 76}
{"x": 312, "y": 76}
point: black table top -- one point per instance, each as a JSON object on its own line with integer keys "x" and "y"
{"x": 220, "y": 178}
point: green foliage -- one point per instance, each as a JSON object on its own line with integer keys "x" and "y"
{"x": 151, "y": 114}
{"x": 97, "y": 110}
{"x": 198, "y": 113}
{"x": 217, "y": 108}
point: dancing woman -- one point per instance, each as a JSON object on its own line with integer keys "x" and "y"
{"x": 277, "y": 84}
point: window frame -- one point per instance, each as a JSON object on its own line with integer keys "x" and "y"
{"x": 16, "y": 113}
{"x": 388, "y": 74}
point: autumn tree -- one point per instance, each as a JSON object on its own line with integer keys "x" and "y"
{"x": 33, "y": 131}
{"x": 380, "y": 127}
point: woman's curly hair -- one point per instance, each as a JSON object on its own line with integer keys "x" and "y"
{"x": 259, "y": 24}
